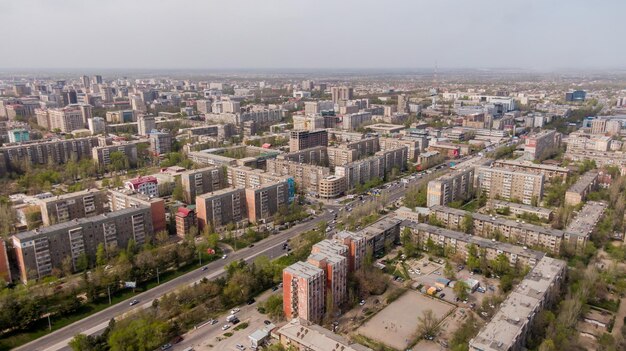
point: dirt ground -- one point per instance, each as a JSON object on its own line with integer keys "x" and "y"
{"x": 395, "y": 326}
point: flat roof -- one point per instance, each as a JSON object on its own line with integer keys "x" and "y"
{"x": 317, "y": 338}
{"x": 583, "y": 182}
{"x": 529, "y": 164}
{"x": 304, "y": 270}
{"x": 524, "y": 207}
{"x": 77, "y": 222}
{"x": 220, "y": 192}
{"x": 587, "y": 218}
{"x": 69, "y": 195}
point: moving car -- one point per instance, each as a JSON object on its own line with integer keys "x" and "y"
{"x": 134, "y": 302}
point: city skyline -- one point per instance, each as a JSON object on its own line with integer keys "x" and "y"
{"x": 530, "y": 35}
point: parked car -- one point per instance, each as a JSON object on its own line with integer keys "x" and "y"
{"x": 166, "y": 347}
{"x": 224, "y": 257}
{"x": 362, "y": 303}
{"x": 234, "y": 310}
{"x": 225, "y": 326}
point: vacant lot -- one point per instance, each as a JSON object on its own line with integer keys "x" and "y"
{"x": 395, "y": 325}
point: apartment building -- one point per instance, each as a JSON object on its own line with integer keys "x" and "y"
{"x": 512, "y": 231}
{"x": 520, "y": 209}
{"x": 304, "y": 139}
{"x": 306, "y": 176}
{"x": 381, "y": 234}
{"x": 40, "y": 251}
{"x": 458, "y": 243}
{"x": 509, "y": 327}
{"x": 68, "y": 118}
{"x": 160, "y": 143}
{"x": 429, "y": 159}
{"x": 506, "y": 184}
{"x": 357, "y": 248}
{"x": 101, "y": 155}
{"x": 221, "y": 207}
{"x": 412, "y": 145}
{"x": 308, "y": 122}
{"x": 332, "y": 186}
{"x": 331, "y": 257}
{"x": 122, "y": 116}
{"x": 185, "y": 220}
{"x": 549, "y": 171}
{"x": 341, "y": 155}
{"x": 354, "y": 120}
{"x": 48, "y": 152}
{"x": 63, "y": 208}
{"x": 246, "y": 177}
{"x": 587, "y": 218}
{"x": 578, "y": 192}
{"x": 341, "y": 93}
{"x": 303, "y": 292}
{"x": 201, "y": 181}
{"x": 359, "y": 172}
{"x": 455, "y": 186}
{"x": 317, "y": 155}
{"x": 145, "y": 125}
{"x": 264, "y": 201}
{"x": 540, "y": 145}
{"x": 122, "y": 198}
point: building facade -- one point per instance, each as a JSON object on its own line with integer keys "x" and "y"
{"x": 511, "y": 185}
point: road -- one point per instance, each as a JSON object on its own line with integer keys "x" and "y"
{"x": 271, "y": 247}
{"x": 94, "y": 324}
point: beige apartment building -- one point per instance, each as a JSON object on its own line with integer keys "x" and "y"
{"x": 81, "y": 204}
{"x": 454, "y": 186}
{"x": 511, "y": 185}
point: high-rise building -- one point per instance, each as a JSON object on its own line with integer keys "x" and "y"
{"x": 203, "y": 106}
{"x": 97, "y": 79}
{"x": 451, "y": 187}
{"x": 40, "y": 251}
{"x": 145, "y": 125}
{"x": 221, "y": 207}
{"x": 122, "y": 116}
{"x": 341, "y": 93}
{"x": 160, "y": 143}
{"x": 68, "y": 119}
{"x": 263, "y": 202}
{"x": 63, "y": 208}
{"x": 575, "y": 96}
{"x": 102, "y": 154}
{"x": 49, "y": 151}
{"x": 304, "y": 139}
{"x": 354, "y": 120}
{"x": 542, "y": 144}
{"x": 306, "y": 176}
{"x": 402, "y": 103}
{"x": 201, "y": 181}
{"x": 120, "y": 199}
{"x": 332, "y": 257}
{"x": 96, "y": 125}
{"x": 85, "y": 81}
{"x": 511, "y": 185}
{"x": 303, "y": 291}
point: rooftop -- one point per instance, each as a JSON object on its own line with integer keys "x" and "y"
{"x": 583, "y": 182}
{"x": 316, "y": 338}
{"x": 304, "y": 270}
{"x": 587, "y": 218}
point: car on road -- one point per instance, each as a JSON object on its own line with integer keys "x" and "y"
{"x": 266, "y": 322}
{"x": 240, "y": 347}
{"x": 251, "y": 245}
{"x": 274, "y": 288}
{"x": 442, "y": 295}
{"x": 224, "y": 257}
{"x": 166, "y": 347}
{"x": 362, "y": 303}
{"x": 205, "y": 268}
{"x": 213, "y": 321}
{"x": 134, "y": 302}
{"x": 225, "y": 326}
{"x": 251, "y": 301}
{"x": 234, "y": 310}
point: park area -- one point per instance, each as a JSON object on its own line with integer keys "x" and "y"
{"x": 396, "y": 325}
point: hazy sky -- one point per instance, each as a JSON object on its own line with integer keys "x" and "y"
{"x": 536, "y": 34}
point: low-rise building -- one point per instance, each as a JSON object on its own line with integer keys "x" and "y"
{"x": 509, "y": 327}
{"x": 303, "y": 336}
{"x": 185, "y": 220}
{"x": 578, "y": 192}
{"x": 513, "y": 231}
{"x": 147, "y": 185}
{"x": 332, "y": 186}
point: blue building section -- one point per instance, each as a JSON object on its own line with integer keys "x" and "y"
{"x": 573, "y": 96}
{"x": 292, "y": 189}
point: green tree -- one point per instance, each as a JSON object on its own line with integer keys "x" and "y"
{"x": 448, "y": 271}
{"x": 82, "y": 262}
{"x": 274, "y": 307}
{"x": 177, "y": 193}
{"x": 461, "y": 290}
{"x": 101, "y": 255}
{"x": 118, "y": 161}
{"x": 427, "y": 324}
{"x": 473, "y": 261}
{"x": 467, "y": 223}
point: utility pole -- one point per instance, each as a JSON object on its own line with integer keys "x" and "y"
{"x": 109, "y": 292}
{"x": 158, "y": 280}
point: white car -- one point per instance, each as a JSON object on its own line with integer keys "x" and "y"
{"x": 225, "y": 326}
{"x": 224, "y": 257}
{"x": 240, "y": 347}
{"x": 234, "y": 310}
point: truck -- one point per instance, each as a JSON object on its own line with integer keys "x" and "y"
{"x": 231, "y": 318}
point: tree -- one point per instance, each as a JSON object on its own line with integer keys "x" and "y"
{"x": 82, "y": 262}
{"x": 143, "y": 332}
{"x": 81, "y": 342}
{"x": 448, "y": 271}
{"x": 427, "y": 324}
{"x": 177, "y": 193}
{"x": 461, "y": 290}
{"x": 473, "y": 261}
{"x": 468, "y": 223}
{"x": 274, "y": 307}
{"x": 118, "y": 161}
{"x": 101, "y": 255}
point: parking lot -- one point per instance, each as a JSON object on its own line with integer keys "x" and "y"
{"x": 396, "y": 324}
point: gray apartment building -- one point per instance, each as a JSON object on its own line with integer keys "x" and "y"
{"x": 48, "y": 152}
{"x": 39, "y": 251}
{"x": 81, "y": 204}
{"x": 221, "y": 207}
{"x": 102, "y": 154}
{"x": 201, "y": 181}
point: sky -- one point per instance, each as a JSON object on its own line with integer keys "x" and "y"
{"x": 316, "y": 34}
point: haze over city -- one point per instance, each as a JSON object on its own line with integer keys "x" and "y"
{"x": 192, "y": 34}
